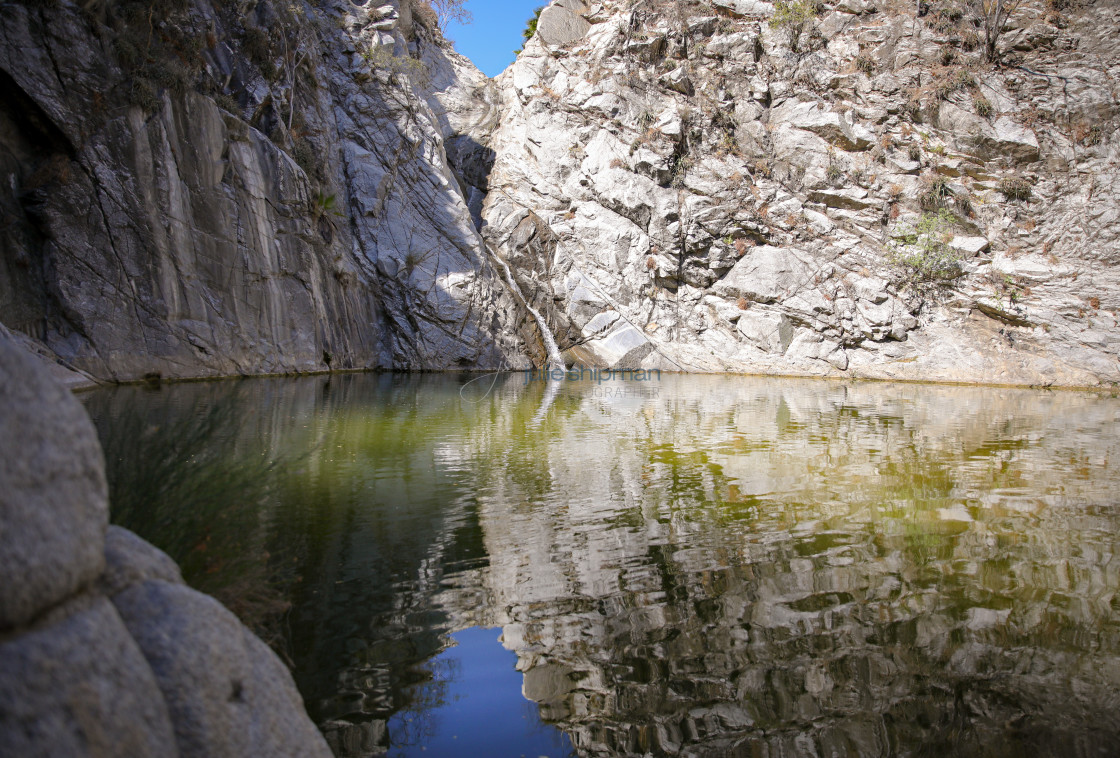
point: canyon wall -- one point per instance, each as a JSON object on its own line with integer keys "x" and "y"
{"x": 197, "y": 189}
{"x": 706, "y": 186}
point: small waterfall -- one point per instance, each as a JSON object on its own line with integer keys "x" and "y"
{"x": 555, "y": 360}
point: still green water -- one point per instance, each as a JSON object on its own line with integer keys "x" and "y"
{"x": 716, "y": 566}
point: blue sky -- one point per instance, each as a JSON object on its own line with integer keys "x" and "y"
{"x": 495, "y": 33}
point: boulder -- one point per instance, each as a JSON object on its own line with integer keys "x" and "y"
{"x": 825, "y": 123}
{"x": 766, "y": 274}
{"x": 161, "y": 670}
{"x": 80, "y": 687}
{"x": 742, "y": 8}
{"x": 623, "y": 347}
{"x": 767, "y": 330}
{"x": 227, "y": 693}
{"x": 1005, "y": 138}
{"x": 562, "y": 23}
{"x": 53, "y": 495}
{"x": 130, "y": 560}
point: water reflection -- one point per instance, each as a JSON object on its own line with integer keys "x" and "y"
{"x": 700, "y": 566}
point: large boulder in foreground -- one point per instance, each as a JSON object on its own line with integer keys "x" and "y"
{"x": 53, "y": 496}
{"x": 105, "y": 652}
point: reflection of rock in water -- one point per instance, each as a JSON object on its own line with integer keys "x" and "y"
{"x": 934, "y": 610}
{"x": 726, "y": 567}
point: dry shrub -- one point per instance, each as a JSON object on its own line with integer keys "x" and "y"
{"x": 958, "y": 79}
{"x": 934, "y": 191}
{"x": 1015, "y": 188}
{"x": 1087, "y": 134}
{"x": 426, "y": 16}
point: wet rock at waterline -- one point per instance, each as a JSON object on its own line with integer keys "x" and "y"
{"x": 105, "y": 652}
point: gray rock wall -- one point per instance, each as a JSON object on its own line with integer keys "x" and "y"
{"x": 103, "y": 650}
{"x": 686, "y": 186}
{"x": 167, "y": 210}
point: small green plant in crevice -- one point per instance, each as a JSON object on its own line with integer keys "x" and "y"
{"x": 983, "y": 106}
{"x": 833, "y": 173}
{"x": 793, "y": 16}
{"x": 923, "y": 255}
{"x": 1015, "y": 188}
{"x": 679, "y": 165}
{"x": 382, "y": 58}
{"x": 324, "y": 205}
{"x": 865, "y": 64}
{"x": 1004, "y": 285}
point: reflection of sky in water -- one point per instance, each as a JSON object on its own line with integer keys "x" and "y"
{"x": 716, "y": 564}
{"x": 479, "y": 709}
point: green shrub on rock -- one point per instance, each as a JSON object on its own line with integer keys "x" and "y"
{"x": 793, "y": 16}
{"x": 923, "y": 255}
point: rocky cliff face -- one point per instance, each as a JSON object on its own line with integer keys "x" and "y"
{"x": 194, "y": 188}
{"x": 702, "y": 186}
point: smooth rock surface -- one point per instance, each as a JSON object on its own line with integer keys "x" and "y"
{"x": 562, "y": 22}
{"x": 183, "y": 238}
{"x": 227, "y": 693}
{"x": 53, "y": 495}
{"x": 80, "y": 687}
